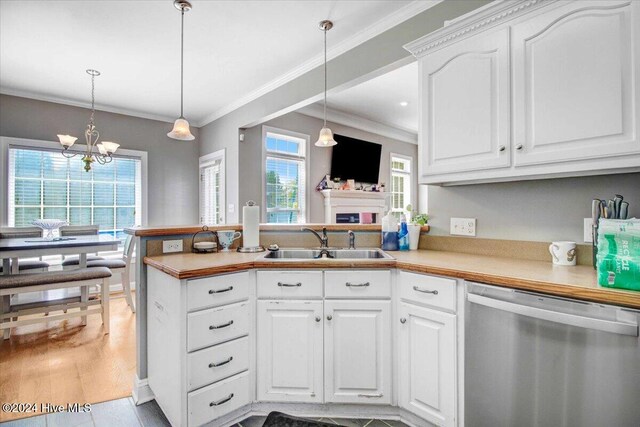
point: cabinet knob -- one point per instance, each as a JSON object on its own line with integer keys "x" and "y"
{"x": 318, "y": 318}
{"x": 403, "y": 320}
{"x": 519, "y": 147}
{"x": 501, "y": 148}
{"x": 329, "y": 317}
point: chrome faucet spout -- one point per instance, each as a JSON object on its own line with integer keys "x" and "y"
{"x": 324, "y": 239}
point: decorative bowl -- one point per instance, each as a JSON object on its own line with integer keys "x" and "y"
{"x": 49, "y": 225}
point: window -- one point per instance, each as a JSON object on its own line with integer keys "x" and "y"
{"x": 400, "y": 183}
{"x": 45, "y": 184}
{"x": 212, "y": 188}
{"x": 285, "y": 170}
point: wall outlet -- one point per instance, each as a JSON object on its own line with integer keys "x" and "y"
{"x": 463, "y": 226}
{"x": 170, "y": 246}
{"x": 588, "y": 237}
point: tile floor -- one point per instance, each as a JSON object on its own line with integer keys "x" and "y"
{"x": 124, "y": 413}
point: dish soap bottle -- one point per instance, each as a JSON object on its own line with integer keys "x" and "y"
{"x": 389, "y": 232}
{"x": 403, "y": 235}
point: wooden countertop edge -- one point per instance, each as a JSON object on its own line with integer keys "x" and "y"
{"x": 619, "y": 297}
{"x": 188, "y": 229}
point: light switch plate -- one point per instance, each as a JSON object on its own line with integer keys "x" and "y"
{"x": 170, "y": 246}
{"x": 588, "y": 237}
{"x": 463, "y": 227}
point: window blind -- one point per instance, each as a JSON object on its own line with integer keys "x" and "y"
{"x": 46, "y": 185}
{"x": 210, "y": 191}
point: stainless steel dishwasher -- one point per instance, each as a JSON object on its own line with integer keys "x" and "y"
{"x": 536, "y": 360}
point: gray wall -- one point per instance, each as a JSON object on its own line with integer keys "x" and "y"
{"x": 541, "y": 210}
{"x": 319, "y": 158}
{"x": 172, "y": 165}
{"x": 366, "y": 60}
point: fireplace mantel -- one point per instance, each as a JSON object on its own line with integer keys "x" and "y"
{"x": 353, "y": 202}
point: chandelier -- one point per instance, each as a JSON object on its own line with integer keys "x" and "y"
{"x": 91, "y": 134}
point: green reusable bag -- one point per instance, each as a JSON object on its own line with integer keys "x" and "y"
{"x": 618, "y": 259}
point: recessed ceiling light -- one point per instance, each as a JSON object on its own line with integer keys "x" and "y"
{"x": 404, "y": 103}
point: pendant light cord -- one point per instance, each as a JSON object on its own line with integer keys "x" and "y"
{"x": 93, "y": 98}
{"x": 325, "y": 77}
{"x": 182, "y": 65}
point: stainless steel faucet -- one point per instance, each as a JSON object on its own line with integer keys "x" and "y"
{"x": 324, "y": 239}
{"x": 352, "y": 239}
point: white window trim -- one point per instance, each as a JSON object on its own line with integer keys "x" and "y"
{"x": 409, "y": 175}
{"x": 307, "y": 162}
{"x": 9, "y": 142}
{"x": 208, "y": 160}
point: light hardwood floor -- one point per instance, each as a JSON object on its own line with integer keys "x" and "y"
{"x": 63, "y": 362}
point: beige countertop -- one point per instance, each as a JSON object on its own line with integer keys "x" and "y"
{"x": 573, "y": 282}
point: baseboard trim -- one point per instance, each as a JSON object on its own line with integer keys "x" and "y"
{"x": 141, "y": 392}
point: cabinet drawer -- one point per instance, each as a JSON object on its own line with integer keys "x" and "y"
{"x": 218, "y": 399}
{"x": 290, "y": 284}
{"x": 428, "y": 290}
{"x": 218, "y": 290}
{"x": 358, "y": 284}
{"x": 217, "y": 325}
{"x": 215, "y": 363}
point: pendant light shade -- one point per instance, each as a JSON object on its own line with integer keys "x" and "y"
{"x": 181, "y": 129}
{"x": 325, "y": 139}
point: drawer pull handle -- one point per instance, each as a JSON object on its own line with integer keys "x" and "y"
{"x": 425, "y": 291}
{"x": 215, "y": 365}
{"x": 224, "y": 325}
{"x": 357, "y": 285}
{"x": 220, "y": 402}
{"x": 219, "y": 291}
{"x": 370, "y": 395}
{"x": 289, "y": 285}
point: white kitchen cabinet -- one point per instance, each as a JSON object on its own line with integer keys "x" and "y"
{"x": 357, "y": 350}
{"x": 289, "y": 360}
{"x": 554, "y": 84}
{"x": 464, "y": 119}
{"x": 427, "y": 364}
{"x": 574, "y": 83}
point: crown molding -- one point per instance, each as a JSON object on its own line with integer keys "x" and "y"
{"x": 87, "y": 105}
{"x": 478, "y": 20}
{"x": 393, "y": 19}
{"x": 358, "y": 122}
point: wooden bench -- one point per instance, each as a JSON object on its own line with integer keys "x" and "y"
{"x": 82, "y": 278}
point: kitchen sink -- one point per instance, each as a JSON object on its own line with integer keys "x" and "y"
{"x": 330, "y": 253}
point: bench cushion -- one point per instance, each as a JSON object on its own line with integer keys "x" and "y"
{"x": 30, "y": 265}
{"x": 74, "y": 260}
{"x": 53, "y": 277}
{"x": 109, "y": 263}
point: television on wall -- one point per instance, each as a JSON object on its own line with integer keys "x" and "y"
{"x": 355, "y": 159}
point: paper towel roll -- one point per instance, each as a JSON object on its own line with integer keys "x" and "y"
{"x": 250, "y": 225}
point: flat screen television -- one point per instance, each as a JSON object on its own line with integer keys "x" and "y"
{"x": 355, "y": 159}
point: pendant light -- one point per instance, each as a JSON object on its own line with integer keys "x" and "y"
{"x": 326, "y": 136}
{"x": 180, "y": 129}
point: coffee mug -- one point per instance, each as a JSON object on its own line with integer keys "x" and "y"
{"x": 226, "y": 238}
{"x": 563, "y": 253}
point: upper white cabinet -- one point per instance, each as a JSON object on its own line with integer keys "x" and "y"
{"x": 530, "y": 89}
{"x": 465, "y": 104}
{"x": 573, "y": 75}
{"x": 358, "y": 351}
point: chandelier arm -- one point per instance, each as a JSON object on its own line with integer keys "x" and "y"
{"x": 69, "y": 154}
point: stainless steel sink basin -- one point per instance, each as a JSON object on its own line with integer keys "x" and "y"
{"x": 331, "y": 253}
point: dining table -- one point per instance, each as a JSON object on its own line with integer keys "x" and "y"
{"x": 12, "y": 249}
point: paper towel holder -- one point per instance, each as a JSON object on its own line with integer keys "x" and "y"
{"x": 253, "y": 249}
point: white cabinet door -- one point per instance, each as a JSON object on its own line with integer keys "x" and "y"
{"x": 464, "y": 118}
{"x": 289, "y": 357}
{"x": 357, "y": 351}
{"x": 576, "y": 82}
{"x": 427, "y": 363}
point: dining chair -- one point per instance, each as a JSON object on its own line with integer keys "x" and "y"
{"x": 75, "y": 231}
{"x": 31, "y": 266}
{"x": 122, "y": 266}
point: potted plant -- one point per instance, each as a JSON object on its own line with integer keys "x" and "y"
{"x": 416, "y": 222}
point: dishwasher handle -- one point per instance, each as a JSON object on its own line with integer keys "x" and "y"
{"x": 621, "y": 328}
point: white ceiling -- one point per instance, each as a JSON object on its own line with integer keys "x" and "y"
{"x": 379, "y": 99}
{"x": 234, "y": 50}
